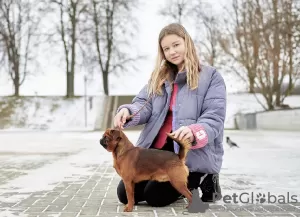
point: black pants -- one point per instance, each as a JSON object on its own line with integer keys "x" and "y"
{"x": 155, "y": 193}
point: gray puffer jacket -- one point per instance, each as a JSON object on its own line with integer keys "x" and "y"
{"x": 202, "y": 109}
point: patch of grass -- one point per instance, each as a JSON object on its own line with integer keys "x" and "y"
{"x": 7, "y": 106}
{"x": 54, "y": 107}
{"x": 37, "y": 105}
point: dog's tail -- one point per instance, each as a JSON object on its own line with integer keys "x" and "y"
{"x": 184, "y": 146}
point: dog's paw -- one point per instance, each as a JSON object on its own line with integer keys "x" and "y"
{"x": 127, "y": 208}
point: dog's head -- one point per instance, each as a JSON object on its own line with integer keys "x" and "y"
{"x": 111, "y": 139}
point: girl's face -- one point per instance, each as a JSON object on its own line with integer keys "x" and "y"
{"x": 174, "y": 49}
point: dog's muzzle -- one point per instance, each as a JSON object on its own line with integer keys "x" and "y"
{"x": 103, "y": 143}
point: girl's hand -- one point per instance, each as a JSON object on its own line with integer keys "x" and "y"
{"x": 121, "y": 118}
{"x": 183, "y": 133}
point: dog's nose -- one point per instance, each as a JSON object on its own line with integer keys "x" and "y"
{"x": 102, "y": 142}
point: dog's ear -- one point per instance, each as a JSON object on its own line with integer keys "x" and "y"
{"x": 116, "y": 133}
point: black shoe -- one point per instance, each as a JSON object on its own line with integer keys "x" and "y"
{"x": 210, "y": 188}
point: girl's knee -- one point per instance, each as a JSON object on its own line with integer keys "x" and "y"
{"x": 155, "y": 199}
{"x": 121, "y": 192}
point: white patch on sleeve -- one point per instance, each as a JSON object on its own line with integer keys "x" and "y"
{"x": 201, "y": 134}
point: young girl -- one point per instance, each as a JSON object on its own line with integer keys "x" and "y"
{"x": 189, "y": 100}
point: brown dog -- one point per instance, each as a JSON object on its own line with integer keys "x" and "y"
{"x": 135, "y": 164}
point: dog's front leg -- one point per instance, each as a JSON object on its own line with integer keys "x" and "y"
{"x": 129, "y": 187}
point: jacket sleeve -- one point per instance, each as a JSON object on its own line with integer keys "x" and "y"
{"x": 138, "y": 102}
{"x": 211, "y": 122}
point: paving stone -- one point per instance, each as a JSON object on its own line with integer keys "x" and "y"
{"x": 89, "y": 210}
{"x": 4, "y": 204}
{"x": 223, "y": 214}
{"x": 69, "y": 214}
{"x": 35, "y": 209}
{"x": 273, "y": 214}
{"x": 288, "y": 208}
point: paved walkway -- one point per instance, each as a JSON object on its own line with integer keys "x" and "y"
{"x": 69, "y": 175}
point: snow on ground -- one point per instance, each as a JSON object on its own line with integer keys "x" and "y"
{"x": 51, "y": 113}
{"x": 47, "y": 177}
{"x": 26, "y": 148}
{"x": 55, "y": 113}
{"x": 267, "y": 161}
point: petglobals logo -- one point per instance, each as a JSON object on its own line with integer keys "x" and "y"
{"x": 252, "y": 197}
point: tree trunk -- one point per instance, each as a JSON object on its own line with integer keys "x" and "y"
{"x": 70, "y": 84}
{"x": 73, "y": 55}
{"x": 270, "y": 103}
{"x": 251, "y": 84}
{"x": 16, "y": 86}
{"x": 16, "y": 79}
{"x": 105, "y": 82}
{"x": 276, "y": 54}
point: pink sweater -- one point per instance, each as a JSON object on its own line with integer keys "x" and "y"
{"x": 167, "y": 126}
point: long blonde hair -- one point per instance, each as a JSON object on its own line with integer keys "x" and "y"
{"x": 164, "y": 68}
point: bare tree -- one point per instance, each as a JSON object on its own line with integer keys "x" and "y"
{"x": 291, "y": 32}
{"x": 18, "y": 28}
{"x": 208, "y": 28}
{"x": 279, "y": 19}
{"x": 176, "y": 10}
{"x": 70, "y": 12}
{"x": 265, "y": 43}
{"x": 112, "y": 29}
{"x": 242, "y": 41}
